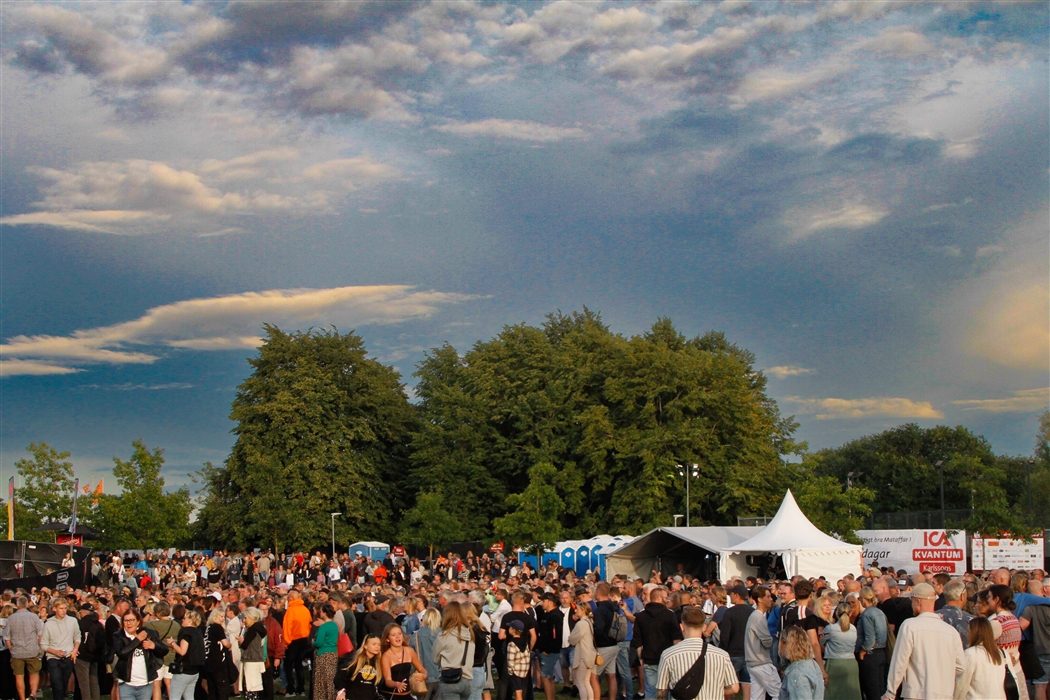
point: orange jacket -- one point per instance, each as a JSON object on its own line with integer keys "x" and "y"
{"x": 297, "y": 620}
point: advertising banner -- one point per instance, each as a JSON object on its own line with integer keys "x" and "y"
{"x": 916, "y": 551}
{"x": 995, "y": 552}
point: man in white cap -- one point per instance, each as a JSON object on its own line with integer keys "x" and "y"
{"x": 928, "y": 656}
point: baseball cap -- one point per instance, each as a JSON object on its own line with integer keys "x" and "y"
{"x": 924, "y": 591}
{"x": 380, "y": 599}
{"x": 740, "y": 589}
{"x": 517, "y": 625}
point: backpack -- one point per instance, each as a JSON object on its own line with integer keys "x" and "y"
{"x": 618, "y": 628}
{"x": 691, "y": 683}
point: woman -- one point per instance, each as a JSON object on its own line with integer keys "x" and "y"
{"x": 189, "y": 657}
{"x": 997, "y": 603}
{"x": 985, "y": 672}
{"x": 840, "y": 639}
{"x": 425, "y": 637}
{"x": 253, "y": 655}
{"x": 815, "y": 624}
{"x": 481, "y": 624}
{"x": 454, "y": 652}
{"x": 138, "y": 656}
{"x": 217, "y": 680}
{"x": 718, "y": 599}
{"x": 872, "y": 633}
{"x": 326, "y": 648}
{"x": 583, "y": 659}
{"x": 357, "y": 676}
{"x": 234, "y": 631}
{"x": 397, "y": 663}
{"x": 802, "y": 678}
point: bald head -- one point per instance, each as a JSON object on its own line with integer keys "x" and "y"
{"x": 1001, "y": 577}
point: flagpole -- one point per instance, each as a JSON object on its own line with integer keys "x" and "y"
{"x": 73, "y": 520}
{"x": 11, "y": 509}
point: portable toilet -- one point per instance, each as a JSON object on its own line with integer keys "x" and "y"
{"x": 600, "y": 552}
{"x": 549, "y": 557}
{"x": 567, "y": 555}
{"x": 528, "y": 558}
{"x": 583, "y": 559}
{"x": 372, "y": 550}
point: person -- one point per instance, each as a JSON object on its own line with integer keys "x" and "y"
{"x": 955, "y": 598}
{"x": 758, "y": 643}
{"x": 1035, "y": 620}
{"x": 425, "y": 637}
{"x": 803, "y": 679}
{"x": 91, "y": 654}
{"x": 397, "y": 663}
{"x": 872, "y": 636}
{"x": 896, "y": 608}
{"x": 584, "y": 654}
{"x": 839, "y": 639}
{"x": 217, "y": 656}
{"x": 234, "y": 631}
{"x": 22, "y": 635}
{"x": 568, "y": 621}
{"x": 275, "y": 647}
{"x": 719, "y": 604}
{"x": 655, "y": 629}
{"x": 548, "y": 641}
{"x": 605, "y": 612}
{"x": 454, "y": 651}
{"x": 189, "y": 657}
{"x": 61, "y": 645}
{"x": 732, "y": 631}
{"x": 357, "y": 676}
{"x": 720, "y": 679}
{"x": 928, "y": 655}
{"x": 326, "y": 646}
{"x": 165, "y": 627}
{"x": 985, "y": 668}
{"x": 253, "y": 656}
{"x": 138, "y": 655}
{"x": 296, "y": 629}
{"x": 996, "y": 603}
{"x": 525, "y": 642}
{"x": 377, "y": 620}
{"x": 480, "y": 626}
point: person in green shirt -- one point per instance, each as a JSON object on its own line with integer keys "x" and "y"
{"x": 326, "y": 647}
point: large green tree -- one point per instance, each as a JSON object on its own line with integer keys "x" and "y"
{"x": 320, "y": 428}
{"x": 144, "y": 515}
{"x": 430, "y": 523}
{"x": 611, "y": 415}
{"x": 45, "y": 492}
{"x": 535, "y": 519}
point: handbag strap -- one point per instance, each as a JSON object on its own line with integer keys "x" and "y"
{"x": 466, "y": 647}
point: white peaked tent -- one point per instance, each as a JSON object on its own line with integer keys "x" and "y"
{"x": 804, "y": 549}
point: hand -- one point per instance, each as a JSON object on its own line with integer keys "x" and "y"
{"x": 402, "y": 686}
{"x": 141, "y": 636}
{"x": 863, "y": 654}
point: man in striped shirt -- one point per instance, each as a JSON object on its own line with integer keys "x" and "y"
{"x": 720, "y": 680}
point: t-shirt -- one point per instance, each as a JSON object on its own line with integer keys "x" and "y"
{"x": 897, "y": 610}
{"x": 193, "y": 661}
{"x": 1039, "y": 616}
{"x": 732, "y": 630}
{"x": 526, "y": 620}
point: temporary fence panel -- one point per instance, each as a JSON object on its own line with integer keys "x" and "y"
{"x": 916, "y": 551}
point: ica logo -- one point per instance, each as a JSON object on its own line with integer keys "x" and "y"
{"x": 936, "y": 538}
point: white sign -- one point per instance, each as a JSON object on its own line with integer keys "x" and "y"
{"x": 916, "y": 551}
{"x": 993, "y": 552}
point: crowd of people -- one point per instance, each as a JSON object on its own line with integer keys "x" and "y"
{"x": 209, "y": 627}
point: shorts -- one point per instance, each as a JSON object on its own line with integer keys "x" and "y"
{"x": 608, "y": 666}
{"x": 518, "y": 683}
{"x": 164, "y": 673}
{"x": 21, "y": 666}
{"x": 548, "y": 662}
{"x": 740, "y": 666}
{"x": 1044, "y": 660}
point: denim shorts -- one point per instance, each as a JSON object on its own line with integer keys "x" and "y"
{"x": 1044, "y": 660}
{"x": 548, "y": 662}
{"x": 740, "y": 665}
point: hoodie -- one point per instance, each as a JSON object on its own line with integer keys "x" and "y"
{"x": 297, "y": 621}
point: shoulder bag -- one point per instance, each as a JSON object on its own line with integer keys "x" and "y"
{"x": 455, "y": 675}
{"x": 417, "y": 682}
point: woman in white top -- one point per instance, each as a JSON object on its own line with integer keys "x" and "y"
{"x": 985, "y": 671}
{"x": 583, "y": 658}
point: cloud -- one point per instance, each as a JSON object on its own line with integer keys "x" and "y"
{"x": 355, "y": 172}
{"x": 805, "y": 223}
{"x": 1024, "y": 400}
{"x": 514, "y": 129}
{"x": 901, "y": 42}
{"x": 863, "y": 408}
{"x": 246, "y": 167}
{"x": 231, "y": 322}
{"x": 128, "y": 386}
{"x": 772, "y": 84}
{"x": 785, "y": 371}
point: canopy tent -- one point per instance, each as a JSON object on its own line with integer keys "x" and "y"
{"x": 663, "y": 549}
{"x": 802, "y": 547}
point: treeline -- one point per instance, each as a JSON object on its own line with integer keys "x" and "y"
{"x": 542, "y": 433}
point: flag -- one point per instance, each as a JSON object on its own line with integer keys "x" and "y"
{"x": 11, "y": 509}
{"x": 87, "y": 488}
{"x": 73, "y": 520}
{"x": 98, "y": 492}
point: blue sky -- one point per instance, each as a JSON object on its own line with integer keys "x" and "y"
{"x": 857, "y": 192}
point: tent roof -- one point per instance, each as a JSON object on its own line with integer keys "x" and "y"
{"x": 663, "y": 541}
{"x": 790, "y": 530}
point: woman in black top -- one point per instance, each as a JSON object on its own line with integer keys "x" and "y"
{"x": 357, "y": 676}
{"x": 189, "y": 657}
{"x": 217, "y": 660}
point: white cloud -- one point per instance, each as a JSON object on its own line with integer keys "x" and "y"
{"x": 247, "y": 167}
{"x": 776, "y": 84}
{"x": 231, "y": 322}
{"x": 355, "y": 172}
{"x": 806, "y": 222}
{"x": 863, "y": 408}
{"x": 902, "y": 42}
{"x": 785, "y": 371}
{"x": 514, "y": 129}
{"x": 1024, "y": 400}
{"x": 987, "y": 251}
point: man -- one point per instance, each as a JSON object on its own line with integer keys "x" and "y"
{"x": 296, "y": 629}
{"x": 605, "y": 611}
{"x": 61, "y": 644}
{"x": 549, "y": 641}
{"x": 165, "y": 627}
{"x": 940, "y": 580}
{"x": 1035, "y": 621}
{"x": 656, "y": 629}
{"x": 732, "y": 631}
{"x": 928, "y": 655}
{"x": 525, "y": 642}
{"x": 954, "y": 595}
{"x": 377, "y": 620}
{"x": 896, "y": 609}
{"x": 23, "y": 632}
{"x": 758, "y": 643}
{"x": 623, "y": 656}
{"x": 565, "y": 607}
{"x": 91, "y": 653}
{"x": 720, "y": 680}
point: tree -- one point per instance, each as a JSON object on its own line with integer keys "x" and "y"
{"x": 534, "y": 520}
{"x": 143, "y": 516}
{"x": 430, "y": 523}
{"x": 46, "y": 492}
{"x": 320, "y": 429}
{"x": 838, "y": 511}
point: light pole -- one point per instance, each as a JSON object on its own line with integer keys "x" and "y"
{"x": 694, "y": 469}
{"x": 849, "y": 486}
{"x": 333, "y": 533}
{"x": 1031, "y": 463}
{"x": 940, "y": 465}
{"x": 676, "y": 517}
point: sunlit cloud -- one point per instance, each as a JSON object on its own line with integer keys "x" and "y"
{"x": 785, "y": 371}
{"x": 514, "y": 129}
{"x": 1024, "y": 400}
{"x": 864, "y": 408}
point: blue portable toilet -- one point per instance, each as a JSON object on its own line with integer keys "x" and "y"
{"x": 372, "y": 550}
{"x": 583, "y": 559}
{"x": 567, "y": 555}
{"x": 549, "y": 557}
{"x": 530, "y": 559}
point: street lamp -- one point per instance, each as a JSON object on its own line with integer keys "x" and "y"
{"x": 940, "y": 465}
{"x": 1031, "y": 463}
{"x": 694, "y": 470}
{"x": 676, "y": 517}
{"x": 333, "y": 533}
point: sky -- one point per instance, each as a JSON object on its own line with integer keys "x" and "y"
{"x": 857, "y": 192}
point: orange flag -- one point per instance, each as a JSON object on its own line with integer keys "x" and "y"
{"x": 98, "y": 492}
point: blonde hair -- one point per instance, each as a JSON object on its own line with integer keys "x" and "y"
{"x": 719, "y": 594}
{"x": 192, "y": 617}
{"x": 432, "y": 619}
{"x": 842, "y": 613}
{"x": 835, "y": 599}
{"x": 867, "y": 595}
{"x": 217, "y": 616}
{"x": 251, "y": 616}
{"x": 795, "y": 646}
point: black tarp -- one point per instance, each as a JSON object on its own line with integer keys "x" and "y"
{"x": 41, "y": 564}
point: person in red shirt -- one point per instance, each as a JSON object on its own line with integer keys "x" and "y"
{"x": 380, "y": 574}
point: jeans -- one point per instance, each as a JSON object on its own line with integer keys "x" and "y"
{"x": 623, "y": 670}
{"x": 296, "y": 652}
{"x": 650, "y": 680}
{"x": 183, "y": 685}
{"x": 456, "y": 691}
{"x": 136, "y": 692}
{"x": 87, "y": 679}
{"x": 873, "y": 670}
{"x": 477, "y": 685}
{"x": 60, "y": 671}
